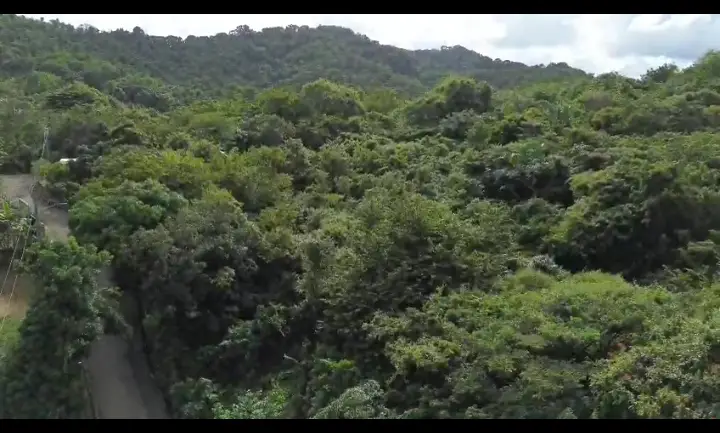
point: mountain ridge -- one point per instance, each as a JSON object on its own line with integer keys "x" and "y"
{"x": 272, "y": 57}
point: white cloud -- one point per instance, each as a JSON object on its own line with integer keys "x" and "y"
{"x": 629, "y": 44}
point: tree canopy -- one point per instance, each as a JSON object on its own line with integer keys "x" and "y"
{"x": 314, "y": 225}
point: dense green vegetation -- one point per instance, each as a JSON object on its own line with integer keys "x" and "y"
{"x": 42, "y": 377}
{"x": 8, "y": 336}
{"x": 545, "y": 251}
{"x": 127, "y": 64}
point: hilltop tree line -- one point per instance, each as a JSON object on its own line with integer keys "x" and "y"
{"x": 131, "y": 64}
{"x": 337, "y": 251}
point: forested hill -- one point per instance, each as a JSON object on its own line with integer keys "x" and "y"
{"x": 268, "y": 58}
{"x": 550, "y": 250}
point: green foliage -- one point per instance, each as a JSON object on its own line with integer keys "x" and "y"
{"x": 335, "y": 243}
{"x": 41, "y": 375}
{"x": 146, "y": 70}
{"x": 8, "y": 338}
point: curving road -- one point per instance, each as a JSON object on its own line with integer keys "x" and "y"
{"x": 120, "y": 380}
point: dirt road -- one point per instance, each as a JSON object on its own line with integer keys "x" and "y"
{"x": 121, "y": 383}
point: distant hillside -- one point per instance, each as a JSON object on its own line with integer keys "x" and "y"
{"x": 271, "y": 57}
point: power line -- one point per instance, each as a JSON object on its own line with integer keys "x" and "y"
{"x": 17, "y": 274}
{"x": 12, "y": 258}
{"x": 27, "y": 235}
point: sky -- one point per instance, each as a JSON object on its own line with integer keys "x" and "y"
{"x": 625, "y": 43}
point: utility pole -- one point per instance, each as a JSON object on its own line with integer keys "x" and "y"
{"x": 45, "y": 141}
